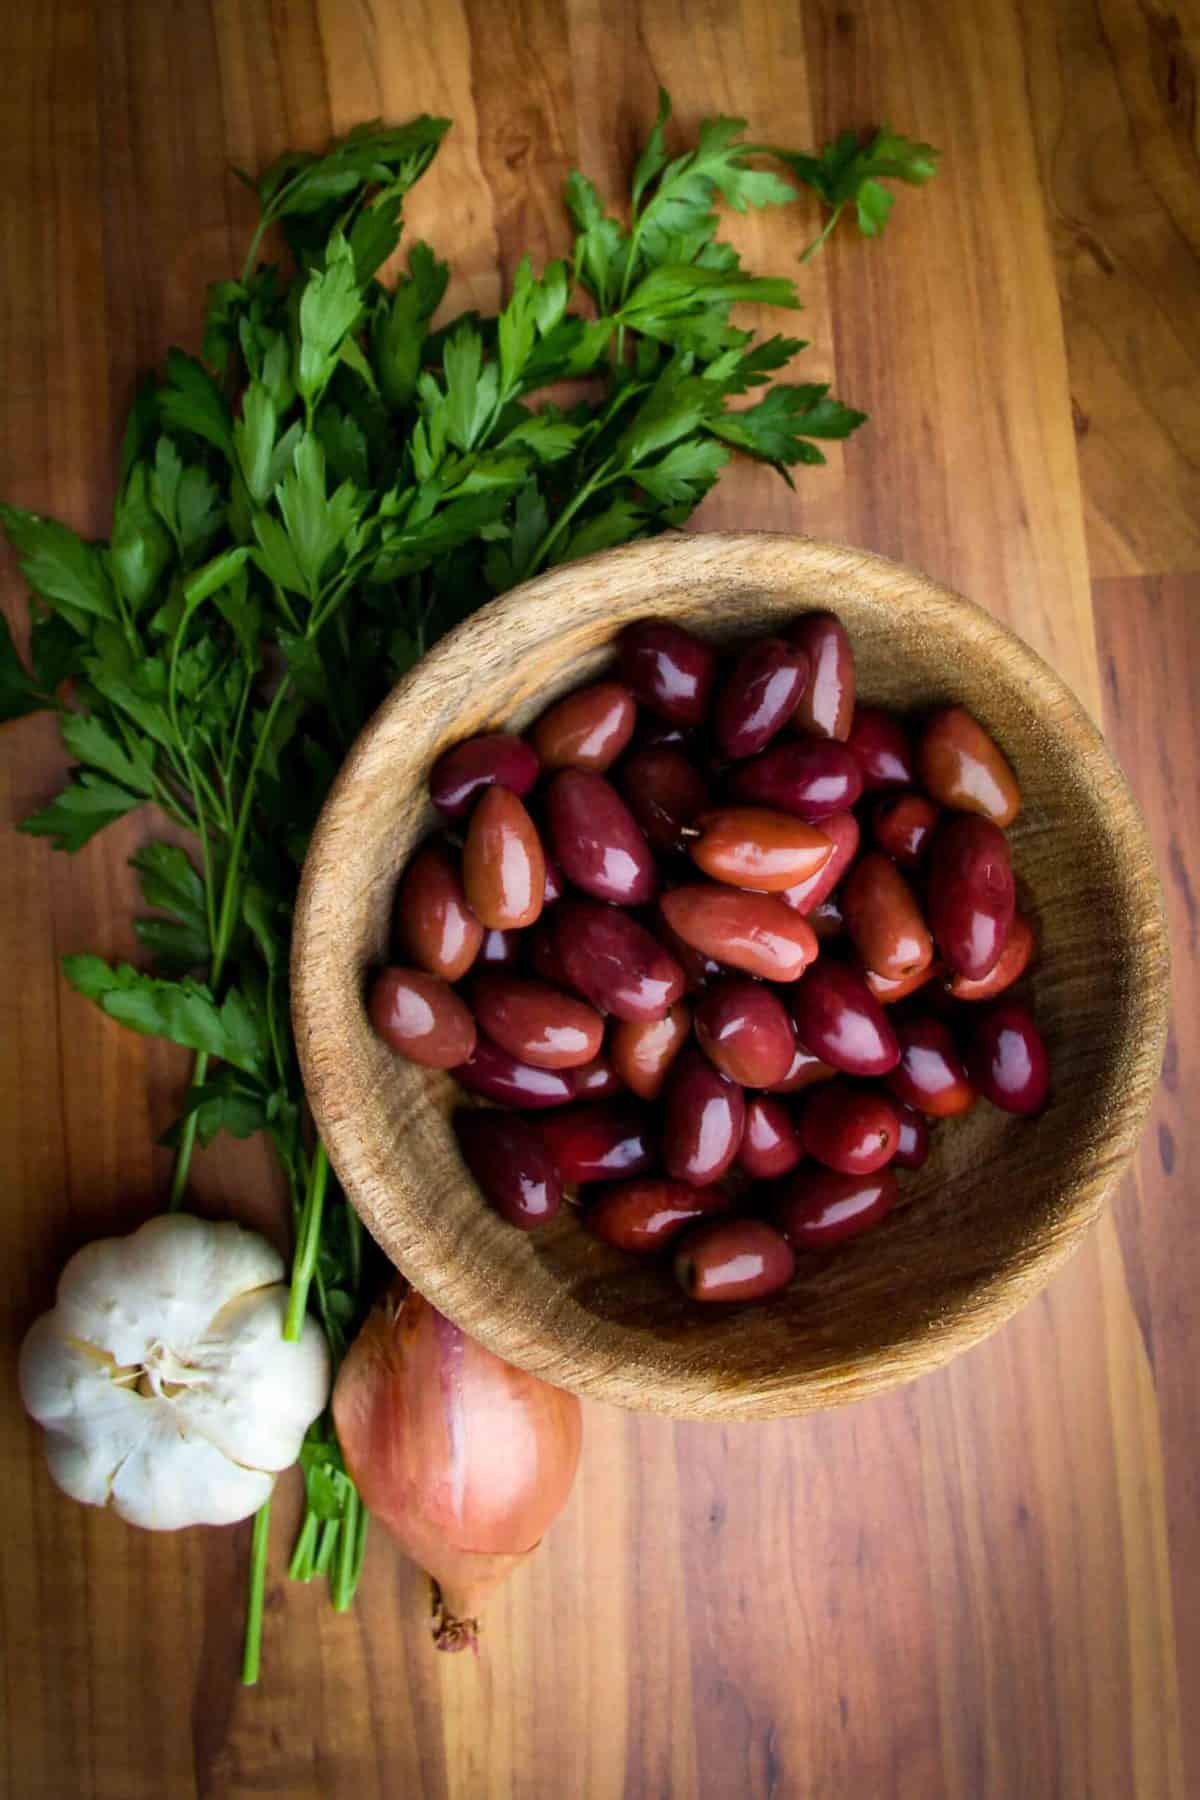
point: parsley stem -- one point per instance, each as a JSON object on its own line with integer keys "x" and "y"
{"x": 308, "y": 1243}
{"x": 255, "y": 1592}
{"x": 828, "y": 226}
{"x": 603, "y": 475}
{"x": 301, "y": 1566}
{"x": 187, "y": 1141}
{"x": 345, "y": 1577}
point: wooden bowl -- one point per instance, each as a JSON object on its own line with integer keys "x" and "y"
{"x": 1000, "y": 1204}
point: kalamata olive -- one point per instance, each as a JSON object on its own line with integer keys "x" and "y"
{"x": 839, "y": 1021}
{"x": 887, "y": 989}
{"x": 752, "y": 847}
{"x": 755, "y": 932}
{"x": 703, "y": 1121}
{"x": 930, "y": 1074}
{"x": 1012, "y": 963}
{"x": 771, "y": 1143}
{"x": 903, "y": 824}
{"x": 595, "y": 839}
{"x": 664, "y": 792}
{"x": 850, "y": 1128}
{"x": 587, "y": 729}
{"x": 461, "y": 773}
{"x": 510, "y": 1164}
{"x": 434, "y": 924}
{"x": 826, "y": 707}
{"x": 759, "y": 696}
{"x": 827, "y": 919}
{"x": 537, "y": 1023}
{"x": 912, "y": 1146}
{"x": 496, "y": 1075}
{"x": 670, "y": 671}
{"x": 547, "y": 964}
{"x": 962, "y": 766}
{"x": 883, "y": 919}
{"x": 643, "y": 1050}
{"x": 499, "y": 950}
{"x": 504, "y": 869}
{"x": 804, "y": 1071}
{"x": 599, "y": 1141}
{"x": 1007, "y": 1059}
{"x": 422, "y": 1018}
{"x": 597, "y": 1080}
{"x": 555, "y": 886}
{"x": 660, "y": 734}
{"x": 744, "y": 1030}
{"x": 807, "y": 777}
{"x": 971, "y": 897}
{"x": 820, "y": 1207}
{"x": 614, "y": 962}
{"x": 733, "y": 1259}
{"x": 881, "y": 749}
{"x": 842, "y": 831}
{"x": 698, "y": 968}
{"x": 647, "y": 1212}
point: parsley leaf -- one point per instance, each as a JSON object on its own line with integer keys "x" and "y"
{"x": 851, "y": 170}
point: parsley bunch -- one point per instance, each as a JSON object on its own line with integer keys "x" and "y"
{"x": 302, "y": 511}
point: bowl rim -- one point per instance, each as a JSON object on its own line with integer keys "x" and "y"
{"x": 586, "y": 1361}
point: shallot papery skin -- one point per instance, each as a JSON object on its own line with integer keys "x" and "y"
{"x": 463, "y": 1458}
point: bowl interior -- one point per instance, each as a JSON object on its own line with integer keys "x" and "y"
{"x": 1000, "y": 1202}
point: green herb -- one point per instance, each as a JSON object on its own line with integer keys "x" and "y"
{"x": 305, "y": 510}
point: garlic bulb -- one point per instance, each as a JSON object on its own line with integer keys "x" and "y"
{"x": 162, "y": 1376}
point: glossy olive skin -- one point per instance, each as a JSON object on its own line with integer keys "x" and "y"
{"x": 804, "y": 1071}
{"x": 881, "y": 748}
{"x": 599, "y": 1141}
{"x": 827, "y": 919}
{"x": 843, "y": 833}
{"x": 420, "y": 1017}
{"x": 646, "y": 1212}
{"x": 745, "y": 1032}
{"x": 496, "y": 1075}
{"x": 820, "y": 1207}
{"x": 665, "y": 792}
{"x": 1010, "y": 966}
{"x": 510, "y": 1164}
{"x": 883, "y": 920}
{"x": 930, "y": 1074}
{"x": 643, "y": 1050}
{"x": 903, "y": 825}
{"x": 504, "y": 867}
{"x": 962, "y": 766}
{"x": 434, "y": 925}
{"x": 595, "y": 839}
{"x": 669, "y": 671}
{"x": 755, "y": 848}
{"x": 850, "y": 1128}
{"x": 544, "y": 959}
{"x": 826, "y": 707}
{"x": 912, "y": 1146}
{"x": 1007, "y": 1059}
{"x": 703, "y": 1121}
{"x": 499, "y": 950}
{"x": 597, "y": 1080}
{"x": 614, "y": 962}
{"x": 460, "y": 774}
{"x": 971, "y": 897}
{"x": 587, "y": 729}
{"x": 733, "y": 1259}
{"x": 537, "y": 1023}
{"x": 758, "y": 696}
{"x": 754, "y": 932}
{"x": 802, "y": 776}
{"x": 887, "y": 989}
{"x": 771, "y": 1143}
{"x": 555, "y": 887}
{"x": 698, "y": 968}
{"x": 837, "y": 1019}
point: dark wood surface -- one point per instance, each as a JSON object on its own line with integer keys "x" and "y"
{"x": 981, "y": 1585}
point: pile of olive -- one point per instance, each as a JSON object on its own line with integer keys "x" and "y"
{"x": 690, "y": 896}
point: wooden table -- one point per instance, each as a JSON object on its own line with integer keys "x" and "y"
{"x": 984, "y": 1585}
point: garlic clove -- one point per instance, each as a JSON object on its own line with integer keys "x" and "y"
{"x": 169, "y": 1480}
{"x": 249, "y": 1391}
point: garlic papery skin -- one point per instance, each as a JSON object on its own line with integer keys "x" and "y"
{"x": 163, "y": 1379}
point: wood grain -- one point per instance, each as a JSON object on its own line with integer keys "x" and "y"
{"x": 982, "y": 1585}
